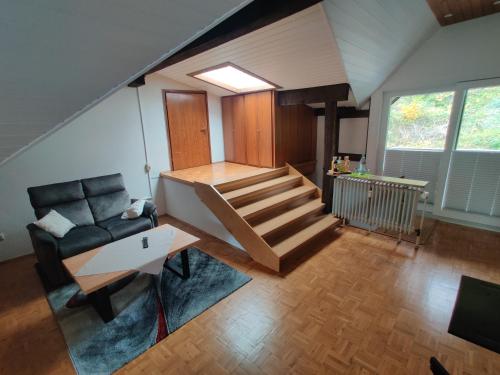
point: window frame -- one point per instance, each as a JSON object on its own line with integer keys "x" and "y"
{"x": 451, "y": 141}
{"x": 386, "y": 109}
{"x": 465, "y": 86}
{"x": 415, "y": 94}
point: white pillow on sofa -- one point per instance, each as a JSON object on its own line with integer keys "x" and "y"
{"x": 135, "y": 210}
{"x": 55, "y": 224}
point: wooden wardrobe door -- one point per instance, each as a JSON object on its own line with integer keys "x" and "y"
{"x": 259, "y": 128}
{"x": 188, "y": 129}
{"x": 227, "y": 103}
{"x": 233, "y": 121}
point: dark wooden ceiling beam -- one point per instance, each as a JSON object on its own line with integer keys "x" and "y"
{"x": 331, "y": 148}
{"x": 257, "y": 14}
{"x": 138, "y": 82}
{"x": 448, "y": 12}
{"x": 345, "y": 112}
{"x": 320, "y": 94}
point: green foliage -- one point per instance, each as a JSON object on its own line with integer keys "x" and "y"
{"x": 419, "y": 121}
{"x": 480, "y": 125}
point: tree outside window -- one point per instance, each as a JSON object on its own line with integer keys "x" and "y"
{"x": 480, "y": 124}
{"x": 419, "y": 121}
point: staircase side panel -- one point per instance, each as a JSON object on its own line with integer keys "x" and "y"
{"x": 256, "y": 247}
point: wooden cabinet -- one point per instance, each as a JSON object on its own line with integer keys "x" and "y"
{"x": 233, "y": 122}
{"x": 296, "y": 132}
{"x": 259, "y": 132}
{"x": 248, "y": 128}
{"x": 259, "y": 128}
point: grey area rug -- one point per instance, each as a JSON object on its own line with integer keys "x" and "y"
{"x": 147, "y": 311}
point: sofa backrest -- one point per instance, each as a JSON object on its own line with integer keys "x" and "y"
{"x": 106, "y": 195}
{"x": 67, "y": 198}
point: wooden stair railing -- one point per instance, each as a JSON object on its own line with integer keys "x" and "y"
{"x": 271, "y": 214}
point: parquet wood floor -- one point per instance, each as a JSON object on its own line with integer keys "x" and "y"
{"x": 213, "y": 173}
{"x": 359, "y": 305}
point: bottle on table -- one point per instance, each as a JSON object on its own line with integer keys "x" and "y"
{"x": 362, "y": 165}
{"x": 347, "y": 164}
{"x": 340, "y": 165}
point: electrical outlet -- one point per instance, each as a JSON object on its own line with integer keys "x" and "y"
{"x": 2, "y": 237}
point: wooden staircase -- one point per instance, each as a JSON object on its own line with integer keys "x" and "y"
{"x": 272, "y": 214}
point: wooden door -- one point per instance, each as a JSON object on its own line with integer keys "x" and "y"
{"x": 187, "y": 123}
{"x": 259, "y": 128}
{"x": 233, "y": 122}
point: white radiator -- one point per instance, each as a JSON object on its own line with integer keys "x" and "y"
{"x": 377, "y": 201}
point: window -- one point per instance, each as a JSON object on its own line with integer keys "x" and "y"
{"x": 473, "y": 181}
{"x": 419, "y": 121}
{"x": 463, "y": 173}
{"x": 480, "y": 125}
{"x": 233, "y": 78}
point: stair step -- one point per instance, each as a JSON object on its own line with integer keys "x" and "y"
{"x": 242, "y": 182}
{"x": 248, "y": 193}
{"x": 255, "y": 209}
{"x": 288, "y": 218}
{"x": 287, "y": 246}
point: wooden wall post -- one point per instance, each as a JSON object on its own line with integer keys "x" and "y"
{"x": 332, "y": 127}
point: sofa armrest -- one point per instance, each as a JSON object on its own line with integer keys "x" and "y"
{"x": 46, "y": 248}
{"x": 41, "y": 236}
{"x": 149, "y": 211}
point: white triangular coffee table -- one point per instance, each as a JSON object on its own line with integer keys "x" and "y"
{"x": 95, "y": 286}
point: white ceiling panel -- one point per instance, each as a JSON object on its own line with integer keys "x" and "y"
{"x": 375, "y": 36}
{"x": 296, "y": 52}
{"x": 60, "y": 56}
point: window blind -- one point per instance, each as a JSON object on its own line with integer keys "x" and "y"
{"x": 473, "y": 183}
{"x": 414, "y": 164}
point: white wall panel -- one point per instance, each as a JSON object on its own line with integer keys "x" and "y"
{"x": 60, "y": 57}
{"x": 374, "y": 37}
{"x": 295, "y": 52}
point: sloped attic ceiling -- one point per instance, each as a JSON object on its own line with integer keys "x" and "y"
{"x": 375, "y": 37}
{"x": 60, "y": 56}
{"x": 296, "y": 52}
{"x": 360, "y": 42}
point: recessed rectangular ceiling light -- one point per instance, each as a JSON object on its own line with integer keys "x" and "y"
{"x": 233, "y": 78}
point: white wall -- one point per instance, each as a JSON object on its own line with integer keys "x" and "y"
{"x": 462, "y": 52}
{"x": 183, "y": 203}
{"x": 352, "y": 139}
{"x": 106, "y": 139}
{"x": 352, "y": 135}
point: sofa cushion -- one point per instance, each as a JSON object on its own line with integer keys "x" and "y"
{"x": 106, "y": 206}
{"x": 103, "y": 185}
{"x": 50, "y": 195}
{"x": 77, "y": 211}
{"x": 56, "y": 224}
{"x": 120, "y": 228}
{"x": 81, "y": 239}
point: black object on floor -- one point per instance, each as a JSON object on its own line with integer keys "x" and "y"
{"x": 476, "y": 316}
{"x": 437, "y": 368}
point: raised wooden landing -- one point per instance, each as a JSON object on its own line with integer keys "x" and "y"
{"x": 271, "y": 213}
{"x": 215, "y": 173}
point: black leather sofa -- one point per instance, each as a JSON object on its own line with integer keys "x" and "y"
{"x": 95, "y": 206}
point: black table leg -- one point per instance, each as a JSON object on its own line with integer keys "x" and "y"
{"x": 102, "y": 304}
{"x": 186, "y": 273}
